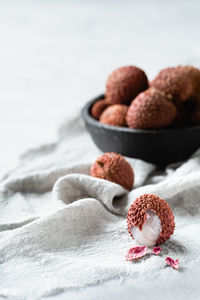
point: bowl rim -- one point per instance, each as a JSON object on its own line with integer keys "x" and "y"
{"x": 87, "y": 117}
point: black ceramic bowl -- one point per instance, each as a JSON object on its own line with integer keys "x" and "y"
{"x": 160, "y": 147}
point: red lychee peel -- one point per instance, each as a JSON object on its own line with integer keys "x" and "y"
{"x": 135, "y": 253}
{"x": 156, "y": 250}
{"x": 173, "y": 263}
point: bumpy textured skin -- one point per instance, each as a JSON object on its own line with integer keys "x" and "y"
{"x": 113, "y": 167}
{"x": 124, "y": 84}
{"x": 193, "y": 75}
{"x": 174, "y": 83}
{"x": 98, "y": 107}
{"x": 150, "y": 110}
{"x": 137, "y": 215}
{"x": 114, "y": 115}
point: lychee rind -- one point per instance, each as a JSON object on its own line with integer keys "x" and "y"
{"x": 195, "y": 115}
{"x": 150, "y": 110}
{"x": 114, "y": 115}
{"x": 182, "y": 115}
{"x": 98, "y": 107}
{"x": 137, "y": 215}
{"x": 124, "y": 84}
{"x": 175, "y": 83}
{"x": 193, "y": 75}
{"x": 113, "y": 167}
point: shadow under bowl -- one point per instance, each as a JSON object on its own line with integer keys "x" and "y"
{"x": 160, "y": 147}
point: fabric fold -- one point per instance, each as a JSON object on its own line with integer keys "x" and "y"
{"x": 62, "y": 229}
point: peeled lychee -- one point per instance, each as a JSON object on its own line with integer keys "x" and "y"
{"x": 98, "y": 107}
{"x": 113, "y": 167}
{"x": 114, "y": 115}
{"x": 150, "y": 110}
{"x": 150, "y": 220}
{"x": 175, "y": 83}
{"x": 124, "y": 84}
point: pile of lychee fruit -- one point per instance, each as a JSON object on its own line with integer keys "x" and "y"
{"x": 171, "y": 100}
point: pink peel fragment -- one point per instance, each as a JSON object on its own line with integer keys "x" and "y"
{"x": 173, "y": 263}
{"x": 156, "y": 250}
{"x": 136, "y": 253}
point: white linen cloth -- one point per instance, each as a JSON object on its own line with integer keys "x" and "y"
{"x": 61, "y": 229}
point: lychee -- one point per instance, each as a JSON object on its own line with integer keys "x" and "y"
{"x": 124, "y": 84}
{"x": 113, "y": 167}
{"x": 150, "y": 220}
{"x": 194, "y": 76}
{"x": 195, "y": 115}
{"x": 98, "y": 107}
{"x": 150, "y": 110}
{"x": 174, "y": 83}
{"x": 182, "y": 116}
{"x": 193, "y": 107}
{"x": 114, "y": 115}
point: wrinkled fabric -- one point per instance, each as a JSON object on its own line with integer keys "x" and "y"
{"x": 62, "y": 229}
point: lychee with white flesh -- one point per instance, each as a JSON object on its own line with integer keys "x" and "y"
{"x": 150, "y": 220}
